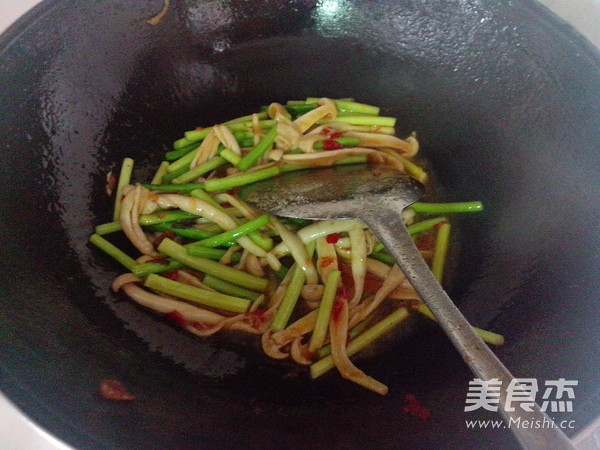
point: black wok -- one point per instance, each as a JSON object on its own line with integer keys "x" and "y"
{"x": 506, "y": 101}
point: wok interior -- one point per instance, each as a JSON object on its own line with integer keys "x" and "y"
{"x": 505, "y": 102}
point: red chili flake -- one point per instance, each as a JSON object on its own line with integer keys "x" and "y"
{"x": 114, "y": 390}
{"x": 319, "y": 104}
{"x": 172, "y": 274}
{"x": 153, "y": 197}
{"x": 438, "y": 225}
{"x": 232, "y": 191}
{"x": 414, "y": 407}
{"x": 160, "y": 215}
{"x": 326, "y": 261}
{"x": 326, "y": 131}
{"x": 176, "y": 317}
{"x": 335, "y": 135}
{"x": 330, "y": 144}
{"x": 336, "y": 310}
{"x": 332, "y": 238}
{"x": 199, "y": 128}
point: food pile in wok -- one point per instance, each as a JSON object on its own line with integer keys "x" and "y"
{"x": 316, "y": 292}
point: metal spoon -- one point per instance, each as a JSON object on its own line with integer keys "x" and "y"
{"x": 376, "y": 194}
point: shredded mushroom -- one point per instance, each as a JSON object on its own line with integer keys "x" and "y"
{"x": 131, "y": 207}
{"x": 155, "y": 20}
{"x": 338, "y": 332}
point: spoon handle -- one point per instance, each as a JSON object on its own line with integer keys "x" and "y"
{"x": 482, "y": 361}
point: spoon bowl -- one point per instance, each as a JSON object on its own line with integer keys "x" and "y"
{"x": 341, "y": 192}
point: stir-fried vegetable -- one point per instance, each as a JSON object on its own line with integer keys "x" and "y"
{"x": 316, "y": 292}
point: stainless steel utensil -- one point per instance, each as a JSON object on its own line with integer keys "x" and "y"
{"x": 377, "y": 194}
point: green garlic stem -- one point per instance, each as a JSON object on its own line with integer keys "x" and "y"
{"x": 261, "y": 116}
{"x": 196, "y": 135}
{"x": 446, "y": 208}
{"x": 202, "y": 195}
{"x": 425, "y": 225}
{"x": 164, "y": 217}
{"x": 124, "y": 180}
{"x": 289, "y": 300}
{"x": 107, "y": 228}
{"x": 186, "y": 232}
{"x": 411, "y": 168}
{"x": 352, "y": 333}
{"x": 383, "y": 257}
{"x": 168, "y": 178}
{"x": 222, "y": 184}
{"x": 113, "y": 251}
{"x": 174, "y": 155}
{"x": 440, "y": 251}
{"x": 358, "y": 159}
{"x": 194, "y": 294}
{"x": 174, "y": 187}
{"x": 488, "y": 337}
{"x": 143, "y": 270}
{"x": 360, "y": 342}
{"x": 324, "y": 312}
{"x": 200, "y": 170}
{"x": 344, "y": 141}
{"x": 183, "y": 162}
{"x": 350, "y": 106}
{"x": 230, "y": 156}
{"x": 236, "y": 233}
{"x": 367, "y": 120}
{"x": 255, "y": 154}
{"x": 161, "y": 172}
{"x": 229, "y": 288}
{"x": 179, "y": 253}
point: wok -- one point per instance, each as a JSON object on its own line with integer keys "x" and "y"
{"x": 506, "y": 101}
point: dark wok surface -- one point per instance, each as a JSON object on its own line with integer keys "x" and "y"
{"x": 506, "y": 102}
